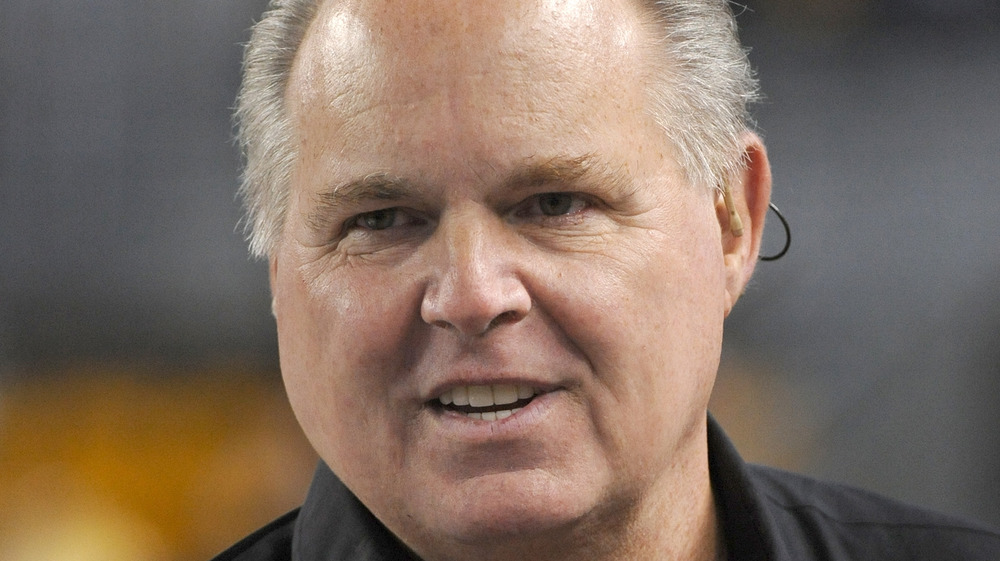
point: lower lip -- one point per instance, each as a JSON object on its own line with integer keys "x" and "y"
{"x": 462, "y": 426}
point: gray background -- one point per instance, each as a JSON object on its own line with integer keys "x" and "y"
{"x": 118, "y": 235}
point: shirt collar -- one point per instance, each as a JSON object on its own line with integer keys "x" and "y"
{"x": 747, "y": 528}
{"x": 333, "y": 525}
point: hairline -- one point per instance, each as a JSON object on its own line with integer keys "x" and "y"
{"x": 266, "y": 128}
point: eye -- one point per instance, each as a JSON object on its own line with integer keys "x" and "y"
{"x": 554, "y": 204}
{"x": 383, "y": 219}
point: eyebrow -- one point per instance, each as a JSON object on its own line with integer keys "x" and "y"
{"x": 372, "y": 187}
{"x": 563, "y": 170}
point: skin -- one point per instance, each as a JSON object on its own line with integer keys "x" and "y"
{"x": 421, "y": 252}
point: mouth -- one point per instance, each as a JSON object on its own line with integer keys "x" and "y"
{"x": 487, "y": 403}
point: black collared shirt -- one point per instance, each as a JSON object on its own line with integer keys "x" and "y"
{"x": 767, "y": 515}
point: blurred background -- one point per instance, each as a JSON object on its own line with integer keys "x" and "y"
{"x": 141, "y": 411}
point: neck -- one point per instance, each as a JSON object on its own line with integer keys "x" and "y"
{"x": 681, "y": 522}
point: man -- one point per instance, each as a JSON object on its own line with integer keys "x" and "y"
{"x": 503, "y": 238}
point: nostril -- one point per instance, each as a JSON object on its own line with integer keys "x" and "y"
{"x": 510, "y": 316}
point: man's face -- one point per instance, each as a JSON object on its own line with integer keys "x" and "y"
{"x": 482, "y": 211}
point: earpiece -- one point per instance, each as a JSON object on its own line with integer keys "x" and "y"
{"x": 735, "y": 223}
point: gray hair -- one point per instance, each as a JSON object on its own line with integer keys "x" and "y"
{"x": 699, "y": 98}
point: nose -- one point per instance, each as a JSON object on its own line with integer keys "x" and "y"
{"x": 474, "y": 283}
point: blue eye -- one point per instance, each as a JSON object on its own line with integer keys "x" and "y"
{"x": 377, "y": 219}
{"x": 555, "y": 204}
{"x": 393, "y": 218}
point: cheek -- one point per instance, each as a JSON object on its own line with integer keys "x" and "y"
{"x": 648, "y": 318}
{"x": 338, "y": 342}
{"x": 680, "y": 315}
{"x": 659, "y": 305}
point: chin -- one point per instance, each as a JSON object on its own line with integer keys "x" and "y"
{"x": 506, "y": 509}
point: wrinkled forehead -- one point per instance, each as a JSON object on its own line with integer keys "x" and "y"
{"x": 358, "y": 49}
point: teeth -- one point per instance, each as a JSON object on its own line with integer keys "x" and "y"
{"x": 494, "y": 415}
{"x": 488, "y": 396}
{"x": 502, "y": 395}
{"x": 481, "y": 396}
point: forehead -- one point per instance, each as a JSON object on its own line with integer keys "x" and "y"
{"x": 417, "y": 75}
{"x": 371, "y": 50}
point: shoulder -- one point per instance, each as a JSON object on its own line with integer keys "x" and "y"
{"x": 842, "y": 522}
{"x": 270, "y": 543}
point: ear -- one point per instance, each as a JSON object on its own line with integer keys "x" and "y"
{"x": 750, "y": 194}
{"x": 272, "y": 269}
